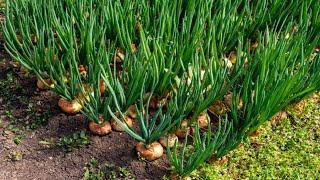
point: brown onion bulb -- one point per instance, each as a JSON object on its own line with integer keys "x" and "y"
{"x": 218, "y": 108}
{"x": 134, "y": 48}
{"x": 184, "y": 129}
{"x": 24, "y": 70}
{"x": 119, "y": 57}
{"x": 233, "y": 57}
{"x": 100, "y": 129}
{"x": 228, "y": 101}
{"x": 116, "y": 126}
{"x": 132, "y": 112}
{"x": 203, "y": 120}
{"x": 44, "y": 84}
{"x": 150, "y": 152}
{"x": 169, "y": 140}
{"x": 83, "y": 69}
{"x": 72, "y": 107}
{"x": 102, "y": 87}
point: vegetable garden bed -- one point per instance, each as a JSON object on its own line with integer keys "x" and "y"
{"x": 189, "y": 79}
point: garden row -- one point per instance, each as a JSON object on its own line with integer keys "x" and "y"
{"x": 196, "y": 77}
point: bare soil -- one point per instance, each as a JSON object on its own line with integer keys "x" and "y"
{"x": 30, "y": 159}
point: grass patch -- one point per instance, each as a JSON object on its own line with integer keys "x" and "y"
{"x": 287, "y": 150}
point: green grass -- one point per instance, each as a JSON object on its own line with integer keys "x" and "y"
{"x": 289, "y": 149}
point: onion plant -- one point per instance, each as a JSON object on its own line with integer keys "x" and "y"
{"x": 280, "y": 73}
{"x": 187, "y": 157}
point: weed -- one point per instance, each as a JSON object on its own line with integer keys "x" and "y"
{"x": 75, "y": 140}
{"x": 95, "y": 171}
{"x": 16, "y": 156}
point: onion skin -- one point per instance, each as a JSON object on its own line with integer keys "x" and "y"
{"x": 203, "y": 120}
{"x": 150, "y": 152}
{"x": 218, "y": 108}
{"x": 233, "y": 57}
{"x": 254, "y": 46}
{"x": 72, "y": 107}
{"x": 44, "y": 84}
{"x": 134, "y": 48}
{"x": 153, "y": 103}
{"x": 184, "y": 128}
{"x": 24, "y": 70}
{"x": 117, "y": 127}
{"x": 169, "y": 139}
{"x": 132, "y": 112}
{"x": 83, "y": 69}
{"x": 100, "y": 129}
{"x": 102, "y": 87}
{"x": 119, "y": 57}
{"x": 228, "y": 101}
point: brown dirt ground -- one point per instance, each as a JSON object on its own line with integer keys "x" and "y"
{"x": 38, "y": 161}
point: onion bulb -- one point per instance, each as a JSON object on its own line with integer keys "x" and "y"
{"x": 218, "y": 108}
{"x": 44, "y": 84}
{"x": 150, "y": 152}
{"x": 233, "y": 57}
{"x": 83, "y": 70}
{"x": 169, "y": 139}
{"x": 119, "y": 57}
{"x": 116, "y": 126}
{"x": 203, "y": 120}
{"x": 253, "y": 46}
{"x": 132, "y": 112}
{"x": 102, "y": 87}
{"x": 24, "y": 70}
{"x": 228, "y": 101}
{"x": 101, "y": 129}
{"x": 134, "y": 48}
{"x": 183, "y": 129}
{"x": 72, "y": 107}
{"x": 153, "y": 103}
